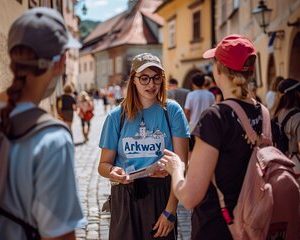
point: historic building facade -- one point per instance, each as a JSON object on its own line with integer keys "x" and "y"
{"x": 187, "y": 33}
{"x": 278, "y": 48}
{"x": 114, "y": 42}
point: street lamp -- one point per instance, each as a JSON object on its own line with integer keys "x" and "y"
{"x": 83, "y": 8}
{"x": 262, "y": 15}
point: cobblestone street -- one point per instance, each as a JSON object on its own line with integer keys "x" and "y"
{"x": 93, "y": 189}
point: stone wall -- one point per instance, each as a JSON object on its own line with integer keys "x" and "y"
{"x": 5, "y": 74}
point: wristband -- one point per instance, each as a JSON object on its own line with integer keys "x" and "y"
{"x": 169, "y": 216}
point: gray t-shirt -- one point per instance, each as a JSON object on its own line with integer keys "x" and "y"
{"x": 197, "y": 101}
{"x": 179, "y": 95}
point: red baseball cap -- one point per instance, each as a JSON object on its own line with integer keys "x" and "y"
{"x": 233, "y": 51}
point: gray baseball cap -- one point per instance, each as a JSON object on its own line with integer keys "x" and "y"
{"x": 43, "y": 30}
{"x": 144, "y": 60}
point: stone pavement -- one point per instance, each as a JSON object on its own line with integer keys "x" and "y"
{"x": 94, "y": 189}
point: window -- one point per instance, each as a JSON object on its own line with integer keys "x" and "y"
{"x": 224, "y": 12}
{"x": 69, "y": 5}
{"x": 172, "y": 33}
{"x": 110, "y": 66}
{"x": 79, "y": 67}
{"x": 44, "y": 3}
{"x": 85, "y": 67}
{"x": 119, "y": 64}
{"x": 91, "y": 66}
{"x": 103, "y": 67}
{"x": 196, "y": 26}
{"x": 57, "y": 4}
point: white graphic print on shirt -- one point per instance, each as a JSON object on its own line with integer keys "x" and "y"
{"x": 144, "y": 143}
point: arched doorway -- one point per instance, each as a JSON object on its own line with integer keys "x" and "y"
{"x": 271, "y": 71}
{"x": 187, "y": 83}
{"x": 294, "y": 71}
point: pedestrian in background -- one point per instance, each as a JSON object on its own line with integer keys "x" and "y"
{"x": 196, "y": 102}
{"x": 67, "y": 105}
{"x": 252, "y": 89}
{"x": 273, "y": 95}
{"x": 287, "y": 114}
{"x": 176, "y": 93}
{"x": 40, "y": 187}
{"x": 85, "y": 108}
{"x": 145, "y": 208}
{"x": 221, "y": 150}
{"x": 214, "y": 89}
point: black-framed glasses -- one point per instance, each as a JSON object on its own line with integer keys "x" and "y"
{"x": 145, "y": 79}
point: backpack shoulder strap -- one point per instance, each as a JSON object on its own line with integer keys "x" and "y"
{"x": 287, "y": 118}
{"x": 122, "y": 119}
{"x": 251, "y": 134}
{"x": 31, "y": 232}
{"x": 167, "y": 118}
{"x": 31, "y": 121}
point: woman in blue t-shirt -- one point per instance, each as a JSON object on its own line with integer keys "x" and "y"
{"x": 134, "y": 136}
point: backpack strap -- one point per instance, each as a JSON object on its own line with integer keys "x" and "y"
{"x": 287, "y": 118}
{"x": 122, "y": 119}
{"x": 24, "y": 125}
{"x": 33, "y": 120}
{"x": 242, "y": 116}
{"x": 167, "y": 118}
{"x": 31, "y": 232}
{"x": 252, "y": 136}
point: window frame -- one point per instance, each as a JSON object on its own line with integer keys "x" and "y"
{"x": 196, "y": 25}
{"x": 171, "y": 28}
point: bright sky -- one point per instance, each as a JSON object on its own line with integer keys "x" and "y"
{"x": 101, "y": 9}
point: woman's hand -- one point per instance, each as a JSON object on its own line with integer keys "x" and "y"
{"x": 118, "y": 175}
{"x": 160, "y": 173}
{"x": 162, "y": 227}
{"x": 171, "y": 162}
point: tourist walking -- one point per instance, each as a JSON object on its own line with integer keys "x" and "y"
{"x": 66, "y": 105}
{"x": 85, "y": 108}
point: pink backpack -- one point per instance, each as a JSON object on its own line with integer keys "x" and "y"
{"x": 269, "y": 202}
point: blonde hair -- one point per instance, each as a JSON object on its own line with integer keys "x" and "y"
{"x": 239, "y": 79}
{"x": 132, "y": 104}
{"x": 68, "y": 88}
{"x": 84, "y": 96}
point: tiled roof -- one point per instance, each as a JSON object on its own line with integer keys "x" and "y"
{"x": 103, "y": 28}
{"x": 126, "y": 28}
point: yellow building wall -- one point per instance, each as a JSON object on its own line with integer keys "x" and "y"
{"x": 9, "y": 11}
{"x": 243, "y": 22}
{"x": 185, "y": 56}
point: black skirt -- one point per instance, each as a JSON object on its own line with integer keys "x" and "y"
{"x": 136, "y": 207}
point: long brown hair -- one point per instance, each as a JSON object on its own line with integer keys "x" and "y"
{"x": 132, "y": 104}
{"x": 239, "y": 79}
{"x": 20, "y": 72}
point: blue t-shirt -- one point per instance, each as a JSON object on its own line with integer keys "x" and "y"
{"x": 41, "y": 187}
{"x": 141, "y": 141}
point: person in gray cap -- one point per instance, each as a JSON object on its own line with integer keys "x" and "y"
{"x": 38, "y": 197}
{"x": 133, "y": 138}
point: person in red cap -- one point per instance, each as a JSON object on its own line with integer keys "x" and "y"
{"x": 221, "y": 150}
